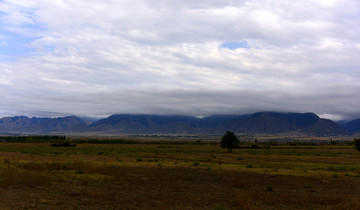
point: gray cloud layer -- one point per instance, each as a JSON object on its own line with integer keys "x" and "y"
{"x": 101, "y": 57}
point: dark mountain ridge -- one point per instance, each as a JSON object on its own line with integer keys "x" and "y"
{"x": 120, "y": 124}
{"x": 41, "y": 125}
{"x": 353, "y": 127}
{"x": 144, "y": 124}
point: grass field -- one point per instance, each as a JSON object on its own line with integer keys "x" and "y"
{"x": 178, "y": 176}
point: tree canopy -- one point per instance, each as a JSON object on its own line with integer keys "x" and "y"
{"x": 229, "y": 141}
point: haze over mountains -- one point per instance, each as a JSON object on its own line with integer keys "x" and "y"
{"x": 123, "y": 124}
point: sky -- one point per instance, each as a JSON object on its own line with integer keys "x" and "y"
{"x": 96, "y": 58}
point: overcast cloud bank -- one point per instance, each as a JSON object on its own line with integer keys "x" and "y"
{"x": 96, "y": 58}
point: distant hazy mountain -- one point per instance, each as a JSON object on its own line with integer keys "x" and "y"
{"x": 257, "y": 123}
{"x": 41, "y": 125}
{"x": 353, "y": 126}
{"x": 145, "y": 124}
{"x": 274, "y": 122}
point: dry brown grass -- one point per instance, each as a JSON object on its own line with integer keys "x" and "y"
{"x": 94, "y": 186}
{"x": 166, "y": 178}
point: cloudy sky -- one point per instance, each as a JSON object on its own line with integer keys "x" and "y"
{"x": 96, "y": 58}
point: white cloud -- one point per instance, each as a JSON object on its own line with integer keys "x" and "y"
{"x": 99, "y": 54}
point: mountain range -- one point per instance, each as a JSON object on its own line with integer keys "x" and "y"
{"x": 122, "y": 124}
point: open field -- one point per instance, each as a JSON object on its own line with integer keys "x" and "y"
{"x": 178, "y": 176}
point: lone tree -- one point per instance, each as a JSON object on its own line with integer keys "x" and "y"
{"x": 357, "y": 144}
{"x": 229, "y": 141}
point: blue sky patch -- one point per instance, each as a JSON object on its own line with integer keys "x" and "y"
{"x": 15, "y": 40}
{"x": 14, "y": 44}
{"x": 235, "y": 45}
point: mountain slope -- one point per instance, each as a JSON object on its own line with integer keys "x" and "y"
{"x": 353, "y": 126}
{"x": 145, "y": 124}
{"x": 41, "y": 125}
{"x": 257, "y": 123}
{"x": 274, "y": 122}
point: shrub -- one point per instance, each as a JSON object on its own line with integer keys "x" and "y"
{"x": 357, "y": 144}
{"x": 254, "y": 146}
{"x": 219, "y": 206}
{"x": 270, "y": 187}
{"x": 249, "y": 165}
{"x": 66, "y": 144}
{"x": 308, "y": 186}
{"x": 80, "y": 171}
